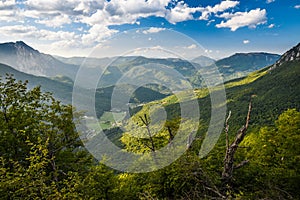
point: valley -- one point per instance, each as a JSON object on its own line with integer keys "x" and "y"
{"x": 151, "y": 119}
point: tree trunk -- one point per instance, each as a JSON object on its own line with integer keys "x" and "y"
{"x": 231, "y": 150}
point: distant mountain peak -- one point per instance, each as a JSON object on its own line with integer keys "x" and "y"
{"x": 203, "y": 60}
{"x": 291, "y": 55}
{"x": 26, "y": 59}
{"x": 22, "y": 44}
{"x": 10, "y": 47}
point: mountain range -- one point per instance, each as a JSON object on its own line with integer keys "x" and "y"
{"x": 57, "y": 74}
{"x": 272, "y": 90}
{"x": 26, "y": 59}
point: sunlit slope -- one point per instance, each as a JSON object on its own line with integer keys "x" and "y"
{"x": 273, "y": 90}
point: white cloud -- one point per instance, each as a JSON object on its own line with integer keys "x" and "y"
{"x": 96, "y": 34}
{"x": 6, "y": 4}
{"x": 118, "y": 12}
{"x": 18, "y": 30}
{"x": 57, "y": 21}
{"x": 192, "y": 46}
{"x": 181, "y": 12}
{"x": 88, "y": 6}
{"x": 246, "y": 41}
{"x": 8, "y": 11}
{"x": 70, "y": 7}
{"x": 54, "y": 13}
{"x": 224, "y": 5}
{"x": 297, "y": 6}
{"x": 271, "y": 26}
{"x": 242, "y": 19}
{"x": 210, "y": 21}
{"x": 54, "y": 42}
{"x": 94, "y": 18}
{"x": 102, "y": 13}
{"x": 270, "y": 1}
{"x": 153, "y": 30}
{"x": 7, "y": 15}
{"x": 22, "y": 32}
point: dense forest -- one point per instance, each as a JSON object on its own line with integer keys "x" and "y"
{"x": 256, "y": 157}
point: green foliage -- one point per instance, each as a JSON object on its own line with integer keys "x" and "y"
{"x": 30, "y": 182}
{"x": 42, "y": 157}
{"x": 39, "y": 145}
{"x": 246, "y": 80}
{"x": 275, "y": 156}
{"x": 183, "y": 179}
{"x": 273, "y": 169}
{"x": 99, "y": 183}
{"x": 33, "y": 114}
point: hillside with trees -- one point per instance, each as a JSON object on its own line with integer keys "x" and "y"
{"x": 256, "y": 157}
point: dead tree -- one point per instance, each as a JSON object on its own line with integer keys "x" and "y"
{"x": 146, "y": 122}
{"x": 231, "y": 149}
{"x": 171, "y": 137}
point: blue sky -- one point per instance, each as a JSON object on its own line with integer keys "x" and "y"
{"x": 220, "y": 28}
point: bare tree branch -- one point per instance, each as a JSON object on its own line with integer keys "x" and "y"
{"x": 147, "y": 123}
{"x": 241, "y": 164}
{"x": 232, "y": 148}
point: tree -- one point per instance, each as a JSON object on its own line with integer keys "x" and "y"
{"x": 275, "y": 156}
{"x": 99, "y": 183}
{"x": 231, "y": 149}
{"x": 29, "y": 117}
{"x": 146, "y": 136}
{"x": 30, "y": 182}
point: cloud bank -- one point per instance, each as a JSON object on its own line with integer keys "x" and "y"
{"x": 88, "y": 22}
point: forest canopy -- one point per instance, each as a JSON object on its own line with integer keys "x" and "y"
{"x": 42, "y": 157}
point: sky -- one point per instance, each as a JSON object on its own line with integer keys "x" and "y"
{"x": 189, "y": 28}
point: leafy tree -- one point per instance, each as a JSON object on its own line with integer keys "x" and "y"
{"x": 29, "y": 182}
{"x": 99, "y": 183}
{"x": 38, "y": 140}
{"x": 274, "y": 155}
{"x": 145, "y": 135}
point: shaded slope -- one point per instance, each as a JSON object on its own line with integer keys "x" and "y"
{"x": 62, "y": 88}
{"x": 61, "y": 91}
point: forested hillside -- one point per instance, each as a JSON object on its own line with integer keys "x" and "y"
{"x": 42, "y": 157}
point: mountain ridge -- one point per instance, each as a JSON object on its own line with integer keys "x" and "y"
{"x": 291, "y": 55}
{"x": 203, "y": 60}
{"x": 29, "y": 60}
{"x": 60, "y": 90}
{"x": 26, "y": 59}
{"x": 249, "y": 61}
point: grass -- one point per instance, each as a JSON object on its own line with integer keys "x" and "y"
{"x": 248, "y": 79}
